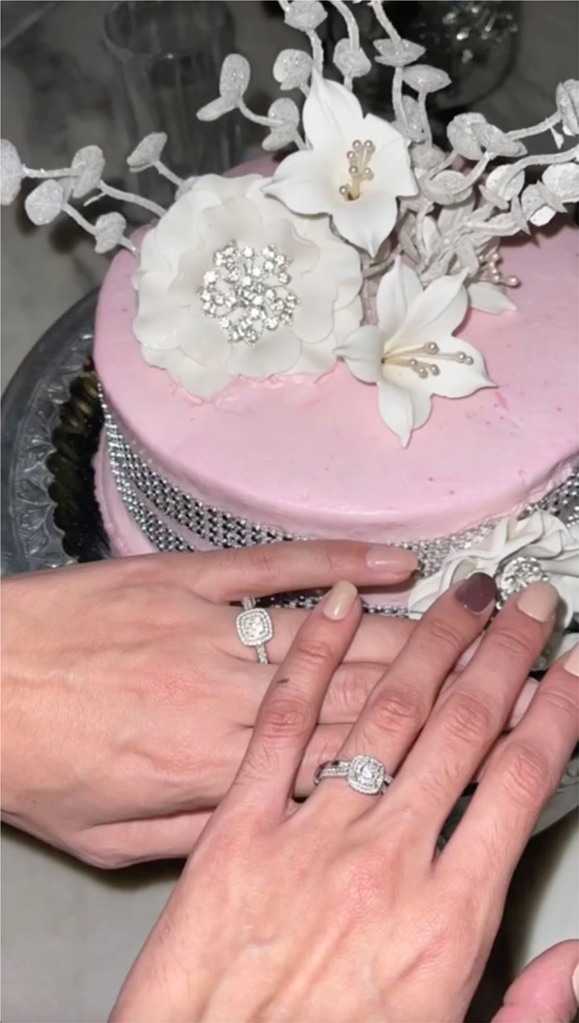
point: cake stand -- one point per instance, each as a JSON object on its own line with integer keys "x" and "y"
{"x": 51, "y": 422}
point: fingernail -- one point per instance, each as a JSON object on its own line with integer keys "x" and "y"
{"x": 339, "y": 601}
{"x": 477, "y": 593}
{"x": 575, "y": 983}
{"x": 538, "y": 601}
{"x": 391, "y": 559}
{"x": 571, "y": 663}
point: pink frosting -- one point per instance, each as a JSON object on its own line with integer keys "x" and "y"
{"x": 314, "y": 457}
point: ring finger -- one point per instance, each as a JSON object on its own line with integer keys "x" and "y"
{"x": 399, "y": 705}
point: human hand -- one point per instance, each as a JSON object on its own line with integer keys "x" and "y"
{"x": 547, "y": 991}
{"x": 128, "y": 699}
{"x": 342, "y": 908}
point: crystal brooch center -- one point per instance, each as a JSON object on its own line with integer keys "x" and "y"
{"x": 247, "y": 291}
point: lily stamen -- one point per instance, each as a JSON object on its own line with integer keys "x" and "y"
{"x": 358, "y": 157}
{"x": 413, "y": 358}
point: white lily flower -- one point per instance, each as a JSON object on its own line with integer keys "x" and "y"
{"x": 356, "y": 167}
{"x": 516, "y": 553}
{"x": 411, "y": 354}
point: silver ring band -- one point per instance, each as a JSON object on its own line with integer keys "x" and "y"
{"x": 254, "y": 628}
{"x": 363, "y": 774}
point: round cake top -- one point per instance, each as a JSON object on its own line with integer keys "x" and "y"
{"x": 314, "y": 457}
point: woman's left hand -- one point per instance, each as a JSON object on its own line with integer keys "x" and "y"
{"x": 342, "y": 908}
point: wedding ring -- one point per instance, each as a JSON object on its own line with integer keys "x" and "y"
{"x": 363, "y": 774}
{"x": 255, "y": 628}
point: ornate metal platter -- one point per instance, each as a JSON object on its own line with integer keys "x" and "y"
{"x": 51, "y": 421}
{"x": 49, "y": 514}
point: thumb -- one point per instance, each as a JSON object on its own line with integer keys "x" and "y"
{"x": 546, "y": 990}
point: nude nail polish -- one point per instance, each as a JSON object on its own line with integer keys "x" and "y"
{"x": 477, "y": 593}
{"x": 575, "y": 983}
{"x": 394, "y": 560}
{"x": 538, "y": 601}
{"x": 571, "y": 664}
{"x": 339, "y": 601}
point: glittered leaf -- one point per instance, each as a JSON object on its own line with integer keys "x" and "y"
{"x": 397, "y": 53}
{"x": 563, "y": 180}
{"x": 467, "y": 255}
{"x": 292, "y": 69}
{"x": 45, "y": 203}
{"x": 424, "y": 78}
{"x": 305, "y": 15}
{"x": 109, "y": 230}
{"x": 535, "y": 205}
{"x": 567, "y": 96}
{"x": 11, "y": 172}
{"x": 461, "y": 137}
{"x": 505, "y": 182}
{"x": 234, "y": 77}
{"x": 426, "y": 156}
{"x": 148, "y": 152}
{"x": 446, "y": 188}
{"x": 496, "y": 141}
{"x": 88, "y": 164}
{"x": 285, "y": 111}
{"x": 351, "y": 61}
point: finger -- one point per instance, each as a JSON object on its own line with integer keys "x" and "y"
{"x": 399, "y": 705}
{"x": 285, "y": 567}
{"x": 467, "y": 723}
{"x": 349, "y": 688}
{"x": 523, "y": 700}
{"x": 520, "y": 777}
{"x": 112, "y": 846}
{"x": 291, "y": 707}
{"x": 543, "y": 993}
{"x": 378, "y": 640}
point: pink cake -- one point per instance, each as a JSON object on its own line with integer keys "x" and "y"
{"x": 312, "y": 458}
{"x": 374, "y": 338}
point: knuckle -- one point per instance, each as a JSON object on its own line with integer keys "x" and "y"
{"x": 515, "y": 645}
{"x": 263, "y": 558}
{"x": 355, "y": 688}
{"x": 526, "y": 774}
{"x": 469, "y": 717}
{"x": 314, "y": 656}
{"x": 562, "y": 698}
{"x": 398, "y": 710}
{"x": 443, "y": 637}
{"x": 286, "y": 717}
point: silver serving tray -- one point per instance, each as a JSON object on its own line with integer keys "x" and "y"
{"x": 51, "y": 422}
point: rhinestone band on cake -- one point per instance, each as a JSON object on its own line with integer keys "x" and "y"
{"x": 147, "y": 496}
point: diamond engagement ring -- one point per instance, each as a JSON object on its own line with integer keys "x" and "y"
{"x": 254, "y": 628}
{"x": 363, "y": 774}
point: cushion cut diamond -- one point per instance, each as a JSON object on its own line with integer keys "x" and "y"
{"x": 254, "y": 627}
{"x": 366, "y": 775}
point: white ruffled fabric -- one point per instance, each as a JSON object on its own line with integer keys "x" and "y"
{"x": 177, "y": 335}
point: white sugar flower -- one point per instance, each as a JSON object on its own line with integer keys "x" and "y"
{"x": 230, "y": 283}
{"x": 411, "y": 354}
{"x": 516, "y": 553}
{"x": 356, "y": 167}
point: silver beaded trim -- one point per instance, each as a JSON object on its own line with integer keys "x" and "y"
{"x": 145, "y": 493}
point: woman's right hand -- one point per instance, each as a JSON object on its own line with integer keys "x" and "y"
{"x": 344, "y": 908}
